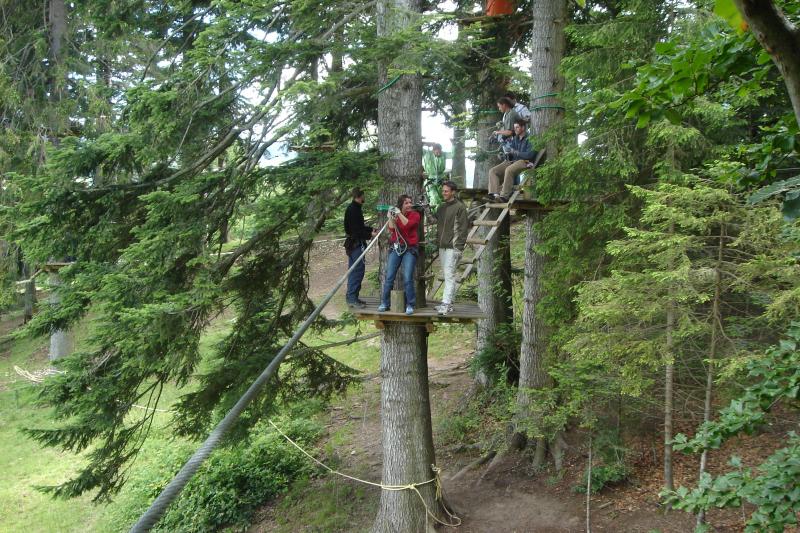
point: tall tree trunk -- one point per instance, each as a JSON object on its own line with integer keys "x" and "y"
{"x": 494, "y": 291}
{"x": 57, "y": 22}
{"x": 494, "y": 266}
{"x": 458, "y": 168}
{"x": 498, "y": 36}
{"x": 29, "y": 300}
{"x": 60, "y": 340}
{"x": 547, "y": 50}
{"x": 780, "y": 38}
{"x": 407, "y": 437}
{"x": 716, "y": 329}
{"x": 29, "y": 296}
{"x": 669, "y": 379}
{"x": 485, "y": 123}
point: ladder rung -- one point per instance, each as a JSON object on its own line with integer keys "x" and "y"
{"x": 481, "y": 242}
{"x": 485, "y": 223}
{"x": 467, "y": 261}
{"x": 503, "y": 206}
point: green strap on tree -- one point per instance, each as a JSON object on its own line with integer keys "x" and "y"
{"x": 392, "y": 82}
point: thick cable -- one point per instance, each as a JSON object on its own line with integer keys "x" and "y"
{"x": 171, "y": 491}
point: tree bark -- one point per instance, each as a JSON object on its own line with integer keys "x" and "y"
{"x": 669, "y": 375}
{"x": 406, "y": 433}
{"x": 532, "y": 372}
{"x": 498, "y": 36}
{"x": 780, "y": 38}
{"x": 716, "y": 329}
{"x": 60, "y": 340}
{"x": 458, "y": 168}
{"x": 494, "y": 291}
{"x": 547, "y": 50}
{"x": 407, "y": 437}
{"x": 57, "y": 26}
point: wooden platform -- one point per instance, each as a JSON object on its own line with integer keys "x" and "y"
{"x": 463, "y": 312}
{"x": 521, "y": 203}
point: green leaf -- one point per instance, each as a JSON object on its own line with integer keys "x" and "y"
{"x": 791, "y": 208}
{"x": 728, "y": 11}
{"x": 673, "y": 116}
{"x": 644, "y": 120}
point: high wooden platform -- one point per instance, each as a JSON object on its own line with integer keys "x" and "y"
{"x": 462, "y": 313}
{"x": 520, "y": 203}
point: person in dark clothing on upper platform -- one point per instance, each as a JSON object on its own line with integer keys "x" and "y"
{"x": 358, "y": 233}
{"x": 518, "y": 154}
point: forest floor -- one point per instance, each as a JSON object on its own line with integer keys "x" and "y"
{"x": 512, "y": 498}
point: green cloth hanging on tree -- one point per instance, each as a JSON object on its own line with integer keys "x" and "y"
{"x": 434, "y": 167}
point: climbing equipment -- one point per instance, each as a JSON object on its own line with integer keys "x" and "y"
{"x": 436, "y": 480}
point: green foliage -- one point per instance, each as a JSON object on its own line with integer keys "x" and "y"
{"x": 772, "y": 487}
{"x": 159, "y": 146}
{"x": 603, "y": 475}
{"x": 728, "y": 11}
{"x": 235, "y": 481}
{"x": 498, "y": 359}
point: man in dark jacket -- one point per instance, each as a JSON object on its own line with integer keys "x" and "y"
{"x": 518, "y": 152}
{"x": 358, "y": 233}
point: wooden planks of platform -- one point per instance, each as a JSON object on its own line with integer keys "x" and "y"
{"x": 463, "y": 312}
{"x": 521, "y": 203}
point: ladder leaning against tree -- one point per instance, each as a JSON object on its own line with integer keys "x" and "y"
{"x": 478, "y": 244}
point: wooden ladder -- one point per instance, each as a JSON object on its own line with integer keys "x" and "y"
{"x": 478, "y": 244}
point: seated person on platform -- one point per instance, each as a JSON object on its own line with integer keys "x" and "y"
{"x": 434, "y": 163}
{"x": 506, "y": 106}
{"x": 403, "y": 241}
{"x": 521, "y": 109}
{"x": 518, "y": 153}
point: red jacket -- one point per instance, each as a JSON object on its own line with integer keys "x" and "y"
{"x": 408, "y": 231}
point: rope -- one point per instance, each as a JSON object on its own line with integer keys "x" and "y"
{"x": 171, "y": 491}
{"x": 436, "y": 480}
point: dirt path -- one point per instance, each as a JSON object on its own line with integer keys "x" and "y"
{"x": 512, "y": 500}
{"x": 328, "y": 264}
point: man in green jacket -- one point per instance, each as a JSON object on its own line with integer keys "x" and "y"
{"x": 434, "y": 163}
{"x": 452, "y": 227}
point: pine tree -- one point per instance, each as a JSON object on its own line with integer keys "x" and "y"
{"x": 406, "y": 435}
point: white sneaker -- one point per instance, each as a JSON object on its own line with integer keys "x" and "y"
{"x": 444, "y": 309}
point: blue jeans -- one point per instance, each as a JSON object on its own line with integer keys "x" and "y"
{"x": 355, "y": 277}
{"x": 409, "y": 262}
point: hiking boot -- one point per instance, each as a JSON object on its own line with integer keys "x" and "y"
{"x": 358, "y": 304}
{"x": 362, "y": 302}
{"x": 409, "y": 310}
{"x": 502, "y": 199}
{"x": 491, "y": 197}
{"x": 383, "y": 308}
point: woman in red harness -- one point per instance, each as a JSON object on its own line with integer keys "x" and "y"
{"x": 403, "y": 223}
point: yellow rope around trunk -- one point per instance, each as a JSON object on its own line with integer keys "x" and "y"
{"x": 436, "y": 480}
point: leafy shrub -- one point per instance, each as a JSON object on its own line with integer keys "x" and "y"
{"x": 603, "y": 475}
{"x": 774, "y": 486}
{"x": 234, "y": 481}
